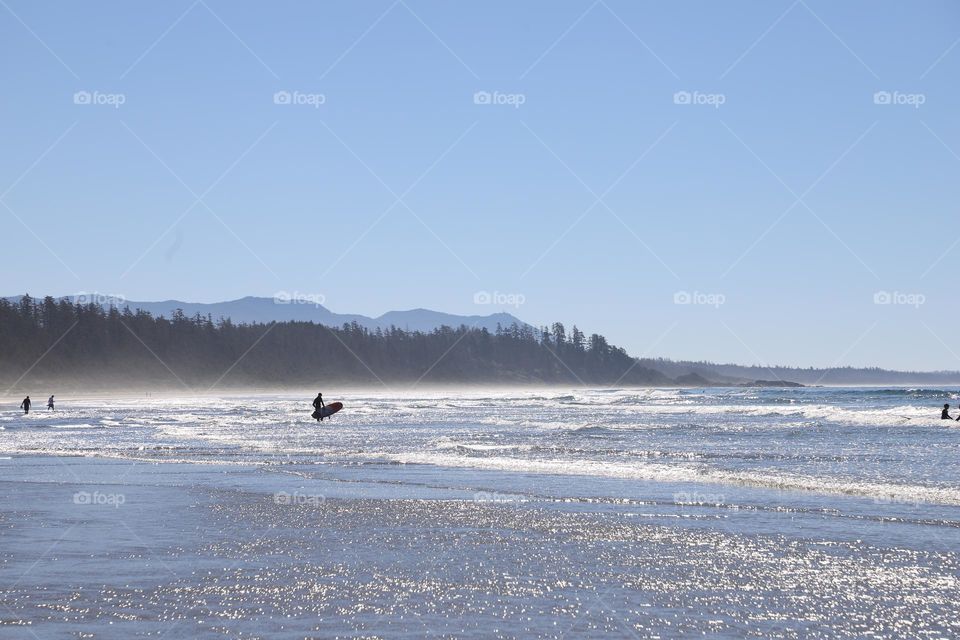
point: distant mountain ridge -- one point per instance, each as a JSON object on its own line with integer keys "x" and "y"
{"x": 301, "y": 308}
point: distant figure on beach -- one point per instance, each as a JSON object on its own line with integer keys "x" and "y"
{"x": 50, "y": 403}
{"x": 318, "y": 405}
{"x": 25, "y": 405}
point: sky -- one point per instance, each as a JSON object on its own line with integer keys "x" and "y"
{"x": 753, "y": 182}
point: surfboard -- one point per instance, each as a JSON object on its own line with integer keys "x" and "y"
{"x": 328, "y": 410}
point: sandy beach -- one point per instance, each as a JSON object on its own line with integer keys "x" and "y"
{"x": 100, "y": 548}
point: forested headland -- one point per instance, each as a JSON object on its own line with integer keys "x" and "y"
{"x": 57, "y": 342}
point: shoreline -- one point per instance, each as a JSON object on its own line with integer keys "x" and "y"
{"x": 392, "y": 480}
{"x": 204, "y": 550}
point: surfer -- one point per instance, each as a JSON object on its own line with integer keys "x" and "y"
{"x": 945, "y": 414}
{"x": 50, "y": 403}
{"x": 319, "y": 406}
{"x": 25, "y": 405}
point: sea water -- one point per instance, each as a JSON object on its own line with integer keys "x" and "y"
{"x": 807, "y": 512}
{"x": 884, "y": 444}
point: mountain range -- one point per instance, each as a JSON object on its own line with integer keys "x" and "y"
{"x": 297, "y": 307}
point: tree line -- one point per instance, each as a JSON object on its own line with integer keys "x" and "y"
{"x": 83, "y": 345}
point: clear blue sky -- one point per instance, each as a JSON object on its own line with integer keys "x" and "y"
{"x": 598, "y": 199}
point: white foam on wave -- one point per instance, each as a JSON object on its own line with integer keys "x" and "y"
{"x": 596, "y": 437}
{"x": 612, "y": 410}
{"x": 572, "y": 423}
{"x": 657, "y": 472}
{"x": 891, "y": 416}
{"x": 473, "y": 446}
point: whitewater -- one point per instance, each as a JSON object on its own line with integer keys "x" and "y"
{"x": 884, "y": 444}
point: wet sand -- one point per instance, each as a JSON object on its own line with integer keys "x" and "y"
{"x": 98, "y": 548}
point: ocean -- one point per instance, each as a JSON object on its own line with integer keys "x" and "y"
{"x": 721, "y": 512}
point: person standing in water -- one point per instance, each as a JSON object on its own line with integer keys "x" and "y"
{"x": 50, "y": 403}
{"x": 25, "y": 405}
{"x": 945, "y": 414}
{"x": 318, "y": 405}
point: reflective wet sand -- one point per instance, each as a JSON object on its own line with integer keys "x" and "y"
{"x": 106, "y": 549}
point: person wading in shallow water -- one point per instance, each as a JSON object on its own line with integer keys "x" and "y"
{"x": 50, "y": 403}
{"x": 318, "y": 405}
{"x": 945, "y": 414}
{"x": 25, "y": 405}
